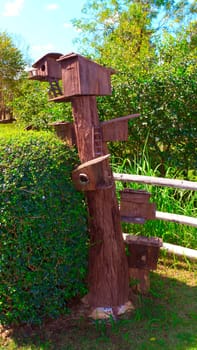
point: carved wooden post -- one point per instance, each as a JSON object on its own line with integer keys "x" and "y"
{"x": 108, "y": 267}
{"x": 83, "y": 80}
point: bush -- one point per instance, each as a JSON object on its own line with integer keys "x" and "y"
{"x": 43, "y": 229}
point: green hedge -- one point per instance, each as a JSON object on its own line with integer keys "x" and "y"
{"x": 43, "y": 232}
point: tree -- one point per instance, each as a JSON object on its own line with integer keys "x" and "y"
{"x": 156, "y": 74}
{"x": 102, "y": 18}
{"x": 31, "y": 107}
{"x": 11, "y": 67}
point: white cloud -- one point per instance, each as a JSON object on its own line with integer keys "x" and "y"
{"x": 13, "y": 8}
{"x": 52, "y": 7}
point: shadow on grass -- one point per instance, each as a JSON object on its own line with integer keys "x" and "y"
{"x": 164, "y": 319}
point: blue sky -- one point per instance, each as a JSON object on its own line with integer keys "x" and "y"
{"x": 42, "y": 25}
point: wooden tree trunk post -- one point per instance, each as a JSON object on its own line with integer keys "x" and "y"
{"x": 83, "y": 80}
{"x": 108, "y": 266}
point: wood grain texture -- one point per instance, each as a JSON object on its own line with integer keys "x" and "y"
{"x": 108, "y": 267}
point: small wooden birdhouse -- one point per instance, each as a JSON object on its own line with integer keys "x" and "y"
{"x": 47, "y": 68}
{"x": 82, "y": 76}
{"x": 65, "y": 131}
{"x": 135, "y": 206}
{"x": 92, "y": 175}
{"x": 116, "y": 129}
{"x": 143, "y": 252}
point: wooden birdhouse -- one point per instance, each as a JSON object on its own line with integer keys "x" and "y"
{"x": 82, "y": 76}
{"x": 92, "y": 175}
{"x": 142, "y": 256}
{"x": 135, "y": 206}
{"x": 116, "y": 129}
{"x": 47, "y": 68}
{"x": 65, "y": 131}
{"x": 143, "y": 252}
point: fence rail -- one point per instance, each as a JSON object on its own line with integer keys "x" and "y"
{"x": 181, "y": 219}
{"x": 159, "y": 181}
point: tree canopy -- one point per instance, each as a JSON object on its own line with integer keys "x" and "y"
{"x": 11, "y": 66}
{"x": 152, "y": 45}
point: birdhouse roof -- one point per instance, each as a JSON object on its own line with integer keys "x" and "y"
{"x": 54, "y": 55}
{"x": 76, "y": 55}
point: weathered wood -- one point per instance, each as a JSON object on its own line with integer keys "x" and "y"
{"x": 135, "y": 204}
{"x": 92, "y": 175}
{"x": 120, "y": 119}
{"x": 137, "y": 211}
{"x": 82, "y": 76}
{"x": 142, "y": 255}
{"x": 175, "y": 249}
{"x": 143, "y": 252}
{"x": 133, "y": 219}
{"x": 65, "y": 131}
{"x": 136, "y": 196}
{"x": 115, "y": 132}
{"x": 116, "y": 129}
{"x": 139, "y": 280}
{"x": 158, "y": 181}
{"x": 46, "y": 68}
{"x": 108, "y": 267}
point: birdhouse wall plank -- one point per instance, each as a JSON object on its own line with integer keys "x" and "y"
{"x": 115, "y": 131}
{"x": 82, "y": 76}
{"x": 138, "y": 210}
{"x": 54, "y": 68}
{"x": 136, "y": 196}
{"x": 70, "y": 77}
{"x": 135, "y": 204}
{"x": 66, "y": 132}
{"x": 47, "y": 67}
{"x": 95, "y": 79}
{"x": 92, "y": 175}
{"x": 143, "y": 252}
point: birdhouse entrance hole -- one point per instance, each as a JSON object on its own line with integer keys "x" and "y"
{"x": 83, "y": 178}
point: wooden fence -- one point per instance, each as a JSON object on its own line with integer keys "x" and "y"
{"x": 181, "y": 219}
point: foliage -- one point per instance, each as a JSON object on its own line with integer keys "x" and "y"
{"x": 156, "y": 75}
{"x": 103, "y": 21}
{"x": 31, "y": 105}
{"x": 170, "y": 200}
{"x": 43, "y": 228}
{"x": 162, "y": 320}
{"x": 11, "y": 67}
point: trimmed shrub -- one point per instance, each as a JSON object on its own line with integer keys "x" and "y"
{"x": 43, "y": 232}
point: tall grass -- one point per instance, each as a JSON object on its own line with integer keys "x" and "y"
{"x": 167, "y": 199}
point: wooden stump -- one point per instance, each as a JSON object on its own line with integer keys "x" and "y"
{"x": 108, "y": 267}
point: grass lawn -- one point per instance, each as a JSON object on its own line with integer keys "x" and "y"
{"x": 164, "y": 319}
